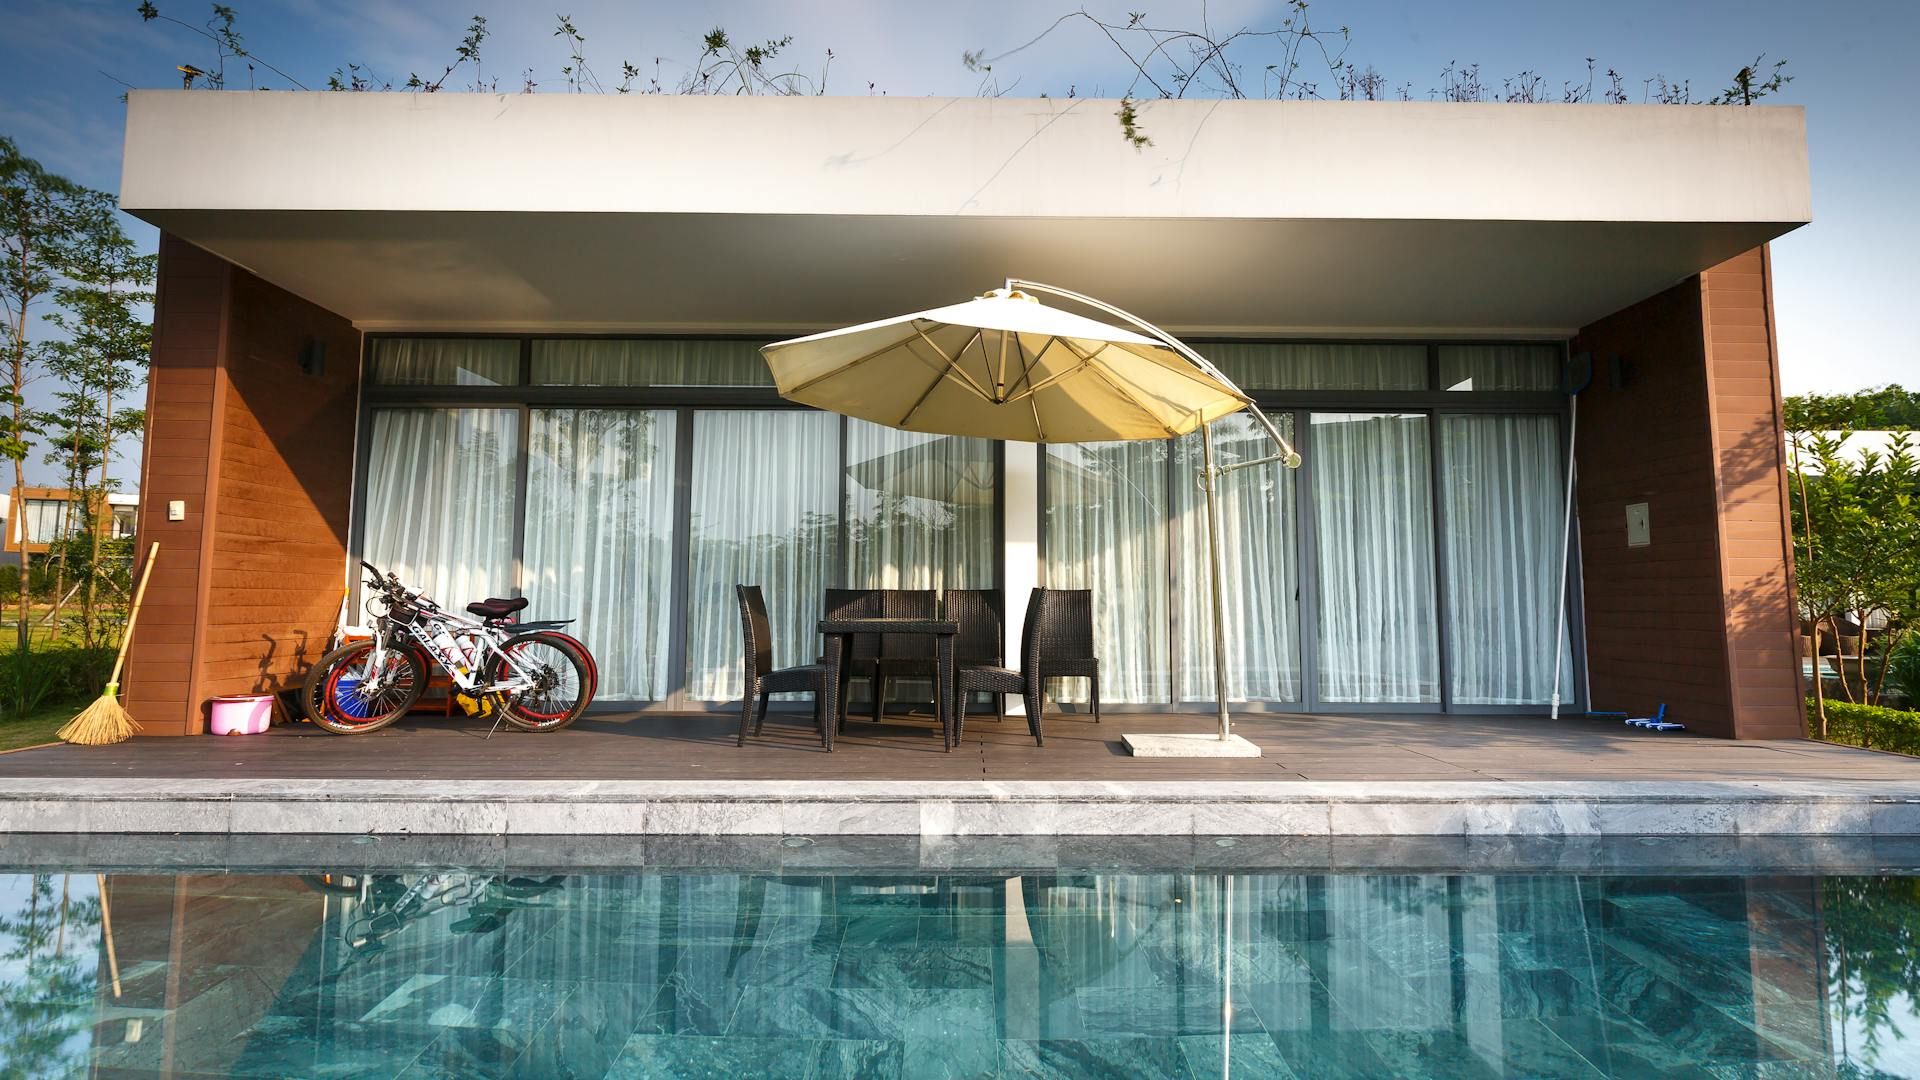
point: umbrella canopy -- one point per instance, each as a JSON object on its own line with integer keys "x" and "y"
{"x": 1003, "y": 366}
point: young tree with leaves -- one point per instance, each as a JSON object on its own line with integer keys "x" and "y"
{"x": 103, "y": 359}
{"x": 46, "y": 221}
{"x": 1856, "y": 539}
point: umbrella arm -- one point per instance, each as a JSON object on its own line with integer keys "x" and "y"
{"x": 1287, "y": 455}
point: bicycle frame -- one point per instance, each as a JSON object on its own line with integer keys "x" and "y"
{"x": 487, "y": 653}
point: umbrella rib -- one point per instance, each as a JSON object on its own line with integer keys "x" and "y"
{"x": 953, "y": 368}
{"x": 1105, "y": 375}
{"x": 1026, "y": 367}
{"x": 844, "y": 368}
{"x": 1000, "y": 375}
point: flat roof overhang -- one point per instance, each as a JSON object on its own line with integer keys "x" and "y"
{"x": 569, "y": 213}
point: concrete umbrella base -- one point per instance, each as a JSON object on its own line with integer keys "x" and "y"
{"x": 1189, "y": 746}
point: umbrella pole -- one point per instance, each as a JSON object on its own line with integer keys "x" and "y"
{"x": 1208, "y": 479}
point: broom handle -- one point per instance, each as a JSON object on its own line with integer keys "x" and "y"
{"x": 139, "y": 593}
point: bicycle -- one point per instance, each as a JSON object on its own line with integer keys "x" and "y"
{"x": 536, "y": 679}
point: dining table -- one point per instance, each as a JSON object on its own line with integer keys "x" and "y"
{"x": 837, "y": 635}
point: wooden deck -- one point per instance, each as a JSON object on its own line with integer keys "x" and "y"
{"x": 700, "y": 747}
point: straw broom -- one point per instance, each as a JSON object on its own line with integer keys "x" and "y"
{"x": 104, "y": 721}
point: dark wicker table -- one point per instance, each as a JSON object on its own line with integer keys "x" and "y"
{"x": 839, "y": 634}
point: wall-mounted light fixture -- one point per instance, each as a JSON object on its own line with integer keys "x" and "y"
{"x": 313, "y": 358}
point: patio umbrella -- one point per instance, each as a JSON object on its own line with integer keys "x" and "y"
{"x": 1005, "y": 366}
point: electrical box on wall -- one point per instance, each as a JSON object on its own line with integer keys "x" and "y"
{"x": 177, "y": 510}
{"x": 1639, "y": 530}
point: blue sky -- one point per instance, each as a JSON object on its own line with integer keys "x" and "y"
{"x": 1843, "y": 286}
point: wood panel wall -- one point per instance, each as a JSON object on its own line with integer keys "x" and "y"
{"x": 248, "y": 587}
{"x": 1691, "y": 427}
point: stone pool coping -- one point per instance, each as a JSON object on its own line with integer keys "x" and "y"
{"x": 933, "y": 809}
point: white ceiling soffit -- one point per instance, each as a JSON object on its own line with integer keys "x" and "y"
{"x": 778, "y": 215}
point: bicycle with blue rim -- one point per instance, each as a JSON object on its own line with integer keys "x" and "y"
{"x": 529, "y": 675}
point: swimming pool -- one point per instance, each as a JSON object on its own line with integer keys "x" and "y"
{"x": 399, "y": 970}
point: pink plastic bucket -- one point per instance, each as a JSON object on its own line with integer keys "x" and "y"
{"x": 244, "y": 714}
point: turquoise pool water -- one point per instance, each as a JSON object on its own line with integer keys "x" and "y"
{"x": 486, "y": 973}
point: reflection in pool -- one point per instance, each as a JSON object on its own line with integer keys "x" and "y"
{"x": 450, "y": 973}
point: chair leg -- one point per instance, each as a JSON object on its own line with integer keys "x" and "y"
{"x": 879, "y": 694}
{"x": 761, "y": 721}
{"x": 1093, "y": 681}
{"x": 1036, "y": 700}
{"x": 747, "y": 701}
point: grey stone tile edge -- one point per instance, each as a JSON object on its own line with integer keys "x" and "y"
{"x": 1397, "y": 793}
{"x": 946, "y": 818}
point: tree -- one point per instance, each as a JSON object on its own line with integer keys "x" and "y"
{"x": 1882, "y": 408}
{"x": 46, "y": 222}
{"x": 1856, "y": 538}
{"x": 102, "y": 359}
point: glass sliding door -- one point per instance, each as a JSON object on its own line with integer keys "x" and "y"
{"x": 765, "y": 511}
{"x": 1373, "y": 506}
{"x": 1105, "y": 529}
{"x": 1259, "y": 568}
{"x": 921, "y": 510}
{"x": 1502, "y": 491}
{"x": 440, "y": 500}
{"x": 599, "y": 548}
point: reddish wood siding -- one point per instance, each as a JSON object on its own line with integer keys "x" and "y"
{"x": 1756, "y": 548}
{"x": 1699, "y": 618}
{"x": 247, "y": 589}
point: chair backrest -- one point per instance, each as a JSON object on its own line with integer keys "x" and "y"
{"x": 1030, "y": 631}
{"x": 857, "y": 604}
{"x": 755, "y": 629}
{"x": 978, "y": 613}
{"x": 908, "y": 604}
{"x": 1065, "y": 627}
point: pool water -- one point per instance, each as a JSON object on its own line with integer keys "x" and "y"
{"x": 474, "y": 974}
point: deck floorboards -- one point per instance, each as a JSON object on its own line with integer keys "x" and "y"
{"x": 654, "y": 746}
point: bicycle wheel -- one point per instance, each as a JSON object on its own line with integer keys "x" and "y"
{"x": 562, "y": 685}
{"x": 335, "y": 691}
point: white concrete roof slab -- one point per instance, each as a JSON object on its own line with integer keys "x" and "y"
{"x": 786, "y": 214}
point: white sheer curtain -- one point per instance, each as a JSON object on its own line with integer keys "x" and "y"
{"x": 600, "y": 538}
{"x": 766, "y": 511}
{"x": 1258, "y": 365}
{"x": 920, "y": 510}
{"x": 440, "y": 486}
{"x": 1373, "y": 509}
{"x": 1259, "y": 568}
{"x": 1106, "y": 530}
{"x": 1500, "y": 367}
{"x": 446, "y": 361}
{"x": 649, "y": 362}
{"x": 1502, "y": 493}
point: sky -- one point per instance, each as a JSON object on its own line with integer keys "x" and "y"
{"x": 1842, "y": 284}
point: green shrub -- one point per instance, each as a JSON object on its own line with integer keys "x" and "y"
{"x": 1903, "y": 669}
{"x": 59, "y": 674}
{"x": 1872, "y": 726}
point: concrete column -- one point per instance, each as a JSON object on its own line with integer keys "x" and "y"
{"x": 1020, "y": 488}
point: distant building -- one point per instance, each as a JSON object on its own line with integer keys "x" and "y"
{"x": 46, "y": 514}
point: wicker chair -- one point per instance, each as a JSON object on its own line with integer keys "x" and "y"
{"x": 1066, "y": 641}
{"x": 762, "y": 678}
{"x": 1051, "y": 646}
{"x": 862, "y": 660}
{"x": 903, "y": 654}
{"x": 978, "y": 644}
{"x": 1003, "y": 681}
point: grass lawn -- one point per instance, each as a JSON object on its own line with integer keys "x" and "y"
{"x": 38, "y": 727}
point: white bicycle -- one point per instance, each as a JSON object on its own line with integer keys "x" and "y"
{"x": 531, "y": 676}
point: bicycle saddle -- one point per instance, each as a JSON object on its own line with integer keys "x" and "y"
{"x": 493, "y": 607}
